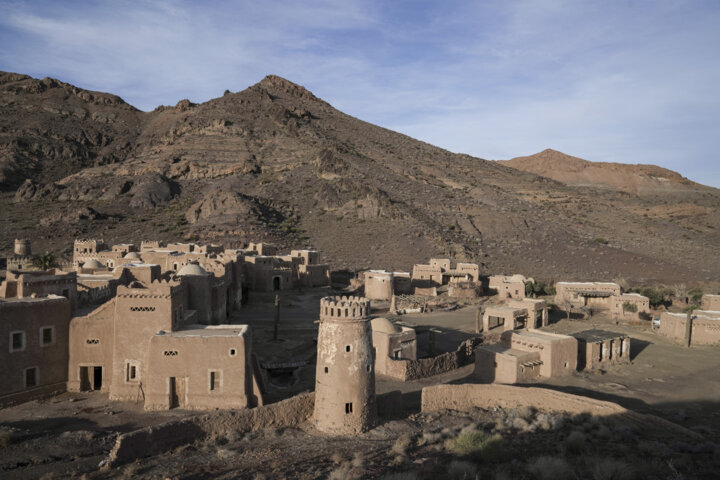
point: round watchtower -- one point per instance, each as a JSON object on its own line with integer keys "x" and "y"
{"x": 22, "y": 248}
{"x": 345, "y": 374}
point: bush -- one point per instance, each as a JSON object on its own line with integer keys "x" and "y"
{"x": 401, "y": 445}
{"x": 574, "y": 443}
{"x": 601, "y": 240}
{"x": 399, "y": 476}
{"x": 629, "y": 307}
{"x": 476, "y": 444}
{"x": 551, "y": 468}
{"x": 611, "y": 469}
{"x": 695, "y": 295}
{"x": 5, "y": 438}
{"x": 462, "y": 470}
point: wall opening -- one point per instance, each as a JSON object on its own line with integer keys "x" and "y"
{"x": 347, "y": 348}
{"x": 46, "y": 335}
{"x": 276, "y": 283}
{"x": 31, "y": 377}
{"x": 348, "y": 408}
{"x": 97, "y": 378}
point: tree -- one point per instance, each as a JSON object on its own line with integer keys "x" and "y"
{"x": 46, "y": 261}
{"x": 695, "y": 295}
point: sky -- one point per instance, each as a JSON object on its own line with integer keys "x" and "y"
{"x": 631, "y": 81}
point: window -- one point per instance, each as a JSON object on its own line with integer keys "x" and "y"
{"x": 368, "y": 367}
{"x": 31, "y": 377}
{"x": 347, "y": 348}
{"x": 326, "y": 370}
{"x": 396, "y": 354}
{"x": 92, "y": 341}
{"x": 215, "y": 380}
{"x": 47, "y": 336}
{"x": 17, "y": 341}
{"x": 233, "y": 352}
{"x": 348, "y": 408}
{"x": 170, "y": 353}
{"x": 132, "y": 372}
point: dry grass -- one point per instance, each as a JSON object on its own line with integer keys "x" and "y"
{"x": 5, "y": 437}
{"x": 401, "y": 445}
{"x": 612, "y": 469}
{"x": 476, "y": 444}
{"x": 462, "y": 470}
{"x": 551, "y": 468}
{"x": 574, "y": 443}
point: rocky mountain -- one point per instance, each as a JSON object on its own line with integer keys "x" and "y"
{"x": 275, "y": 163}
{"x": 644, "y": 180}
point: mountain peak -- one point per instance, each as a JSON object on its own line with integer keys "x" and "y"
{"x": 274, "y": 83}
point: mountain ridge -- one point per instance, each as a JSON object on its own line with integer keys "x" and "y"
{"x": 276, "y": 163}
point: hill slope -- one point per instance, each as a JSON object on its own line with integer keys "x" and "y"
{"x": 274, "y": 162}
{"x": 639, "y": 179}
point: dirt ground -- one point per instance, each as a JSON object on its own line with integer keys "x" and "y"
{"x": 70, "y": 435}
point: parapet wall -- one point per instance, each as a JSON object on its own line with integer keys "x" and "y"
{"x": 344, "y": 308}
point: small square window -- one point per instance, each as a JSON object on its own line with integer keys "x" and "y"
{"x": 17, "y": 341}
{"x": 347, "y": 348}
{"x": 47, "y": 336}
{"x": 233, "y": 352}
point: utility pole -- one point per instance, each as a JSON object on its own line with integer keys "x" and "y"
{"x": 277, "y": 317}
{"x": 688, "y": 328}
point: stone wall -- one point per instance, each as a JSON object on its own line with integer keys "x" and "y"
{"x": 161, "y": 438}
{"x": 423, "y": 367}
{"x": 464, "y": 397}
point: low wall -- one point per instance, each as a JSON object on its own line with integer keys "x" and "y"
{"x": 464, "y": 397}
{"x": 161, "y": 438}
{"x": 43, "y": 391}
{"x": 424, "y": 367}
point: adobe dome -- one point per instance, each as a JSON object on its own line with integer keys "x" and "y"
{"x": 93, "y": 265}
{"x": 383, "y": 325}
{"x": 132, "y": 256}
{"x": 192, "y": 269}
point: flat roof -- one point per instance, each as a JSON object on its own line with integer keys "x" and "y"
{"x": 596, "y": 335}
{"x": 513, "y": 352}
{"x": 504, "y": 309}
{"x": 208, "y": 331}
{"x": 31, "y": 299}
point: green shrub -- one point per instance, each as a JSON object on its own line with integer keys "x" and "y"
{"x": 695, "y": 295}
{"x": 601, "y": 240}
{"x": 629, "y": 307}
{"x": 476, "y": 444}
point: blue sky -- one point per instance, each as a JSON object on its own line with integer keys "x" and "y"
{"x": 633, "y": 81}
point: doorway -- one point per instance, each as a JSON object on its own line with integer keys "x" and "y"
{"x": 90, "y": 378}
{"x": 177, "y": 392}
{"x": 97, "y": 378}
{"x": 276, "y": 284}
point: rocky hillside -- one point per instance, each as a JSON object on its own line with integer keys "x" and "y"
{"x": 275, "y": 163}
{"x": 647, "y": 180}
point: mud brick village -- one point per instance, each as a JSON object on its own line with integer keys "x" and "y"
{"x": 191, "y": 344}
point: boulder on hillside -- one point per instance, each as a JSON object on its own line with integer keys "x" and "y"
{"x": 151, "y": 190}
{"x": 223, "y": 207}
